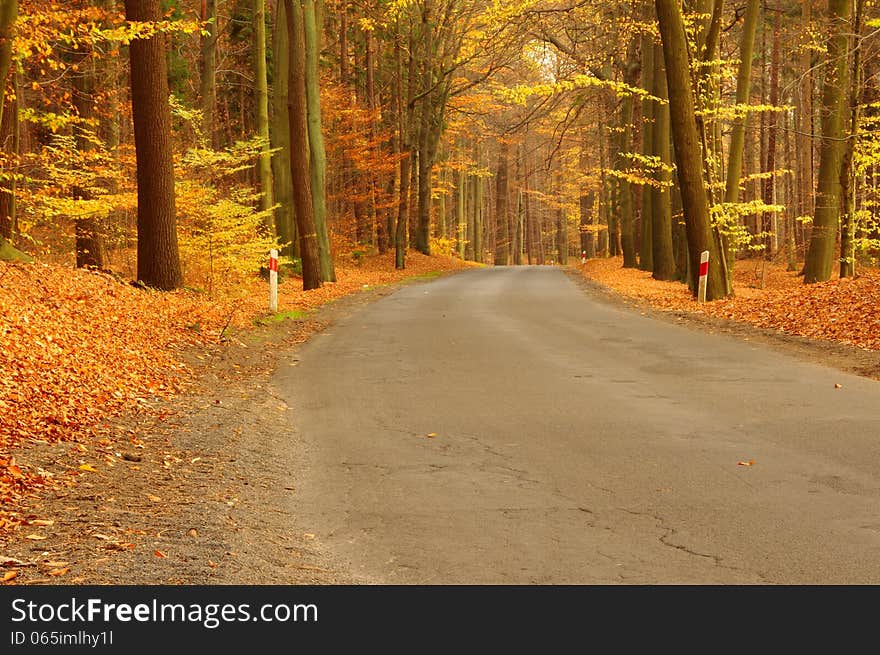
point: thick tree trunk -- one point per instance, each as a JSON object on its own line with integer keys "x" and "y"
{"x": 317, "y": 153}
{"x": 299, "y": 148}
{"x": 158, "y": 262}
{"x": 688, "y": 156}
{"x": 826, "y": 220}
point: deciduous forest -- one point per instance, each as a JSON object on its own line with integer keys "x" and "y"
{"x": 152, "y": 152}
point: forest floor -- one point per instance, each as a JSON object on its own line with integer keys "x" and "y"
{"x": 142, "y": 442}
{"x": 135, "y": 423}
{"x": 836, "y": 323}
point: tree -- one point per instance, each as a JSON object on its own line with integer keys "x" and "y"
{"x": 285, "y": 227}
{"x": 317, "y": 153}
{"x": 826, "y": 219}
{"x": 300, "y": 170}
{"x": 261, "y": 88}
{"x": 688, "y": 155}
{"x": 502, "y": 204}
{"x": 743, "y": 84}
{"x": 663, "y": 259}
{"x": 207, "y": 81}
{"x": 158, "y": 262}
{"x": 8, "y": 16}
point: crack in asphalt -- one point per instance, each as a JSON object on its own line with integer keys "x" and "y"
{"x": 670, "y": 531}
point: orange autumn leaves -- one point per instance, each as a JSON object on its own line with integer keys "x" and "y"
{"x": 846, "y": 311}
{"x": 78, "y": 347}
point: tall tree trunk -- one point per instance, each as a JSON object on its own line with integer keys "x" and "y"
{"x": 826, "y": 220}
{"x": 661, "y": 199}
{"x": 804, "y": 123}
{"x": 561, "y": 229}
{"x": 627, "y": 236}
{"x": 88, "y": 230}
{"x": 8, "y": 17}
{"x": 158, "y": 262}
{"x": 299, "y": 148}
{"x": 587, "y": 202}
{"x": 847, "y": 173}
{"x": 768, "y": 190}
{"x": 478, "y": 209}
{"x": 400, "y": 237}
{"x": 646, "y": 251}
{"x": 343, "y": 44}
{"x": 264, "y": 163}
{"x": 517, "y": 216}
{"x": 461, "y": 211}
{"x": 688, "y": 156}
{"x": 426, "y": 160}
{"x": 502, "y": 235}
{"x": 10, "y": 143}
{"x": 737, "y": 137}
{"x": 317, "y": 153}
{"x": 285, "y": 226}
{"x": 602, "y": 236}
{"x": 207, "y": 81}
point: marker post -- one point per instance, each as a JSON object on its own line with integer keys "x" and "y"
{"x": 704, "y": 276}
{"x": 273, "y": 281}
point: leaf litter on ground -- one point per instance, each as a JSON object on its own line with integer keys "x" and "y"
{"x": 79, "y": 347}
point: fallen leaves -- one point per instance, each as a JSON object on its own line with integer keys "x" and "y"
{"x": 79, "y": 347}
{"x": 842, "y": 310}
{"x": 159, "y": 553}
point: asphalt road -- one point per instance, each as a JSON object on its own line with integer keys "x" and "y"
{"x": 576, "y": 441}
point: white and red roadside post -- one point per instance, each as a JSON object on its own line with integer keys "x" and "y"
{"x": 273, "y": 280}
{"x": 704, "y": 276}
{"x": 584, "y": 257}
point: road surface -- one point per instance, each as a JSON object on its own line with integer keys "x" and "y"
{"x": 502, "y": 426}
